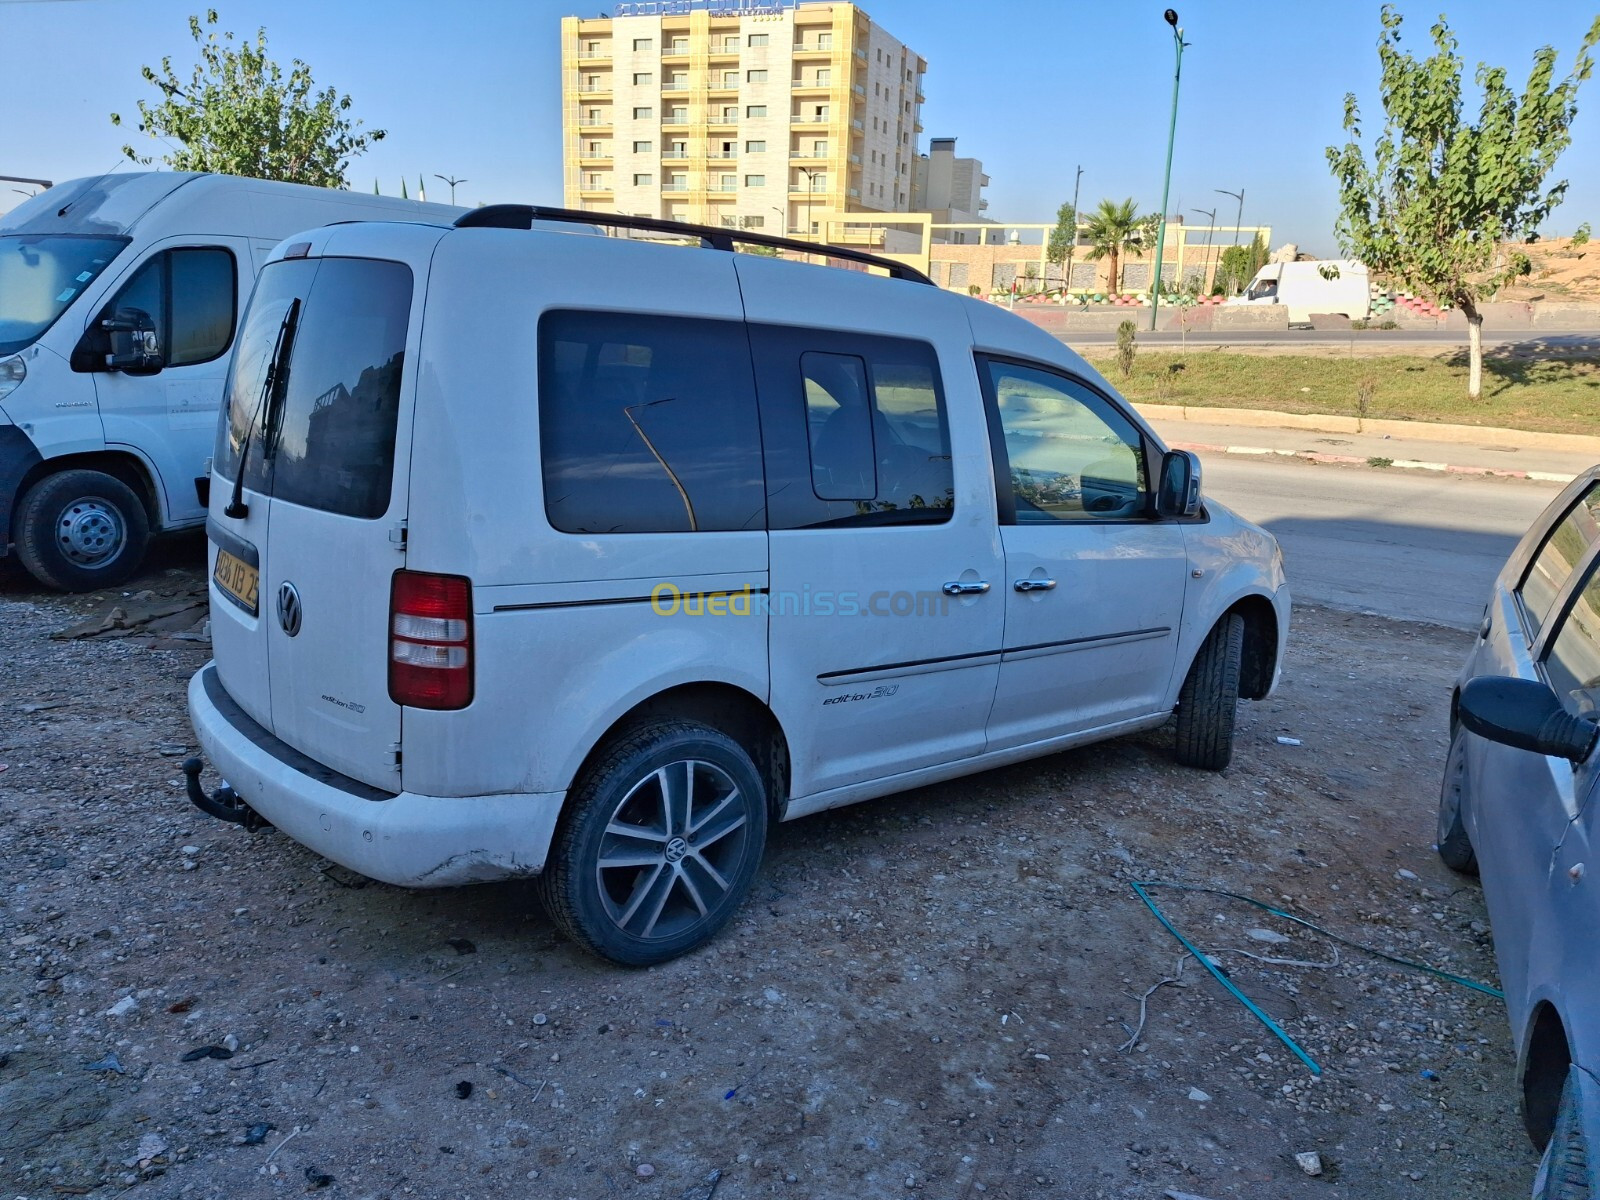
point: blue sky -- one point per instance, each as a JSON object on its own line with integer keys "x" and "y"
{"x": 1032, "y": 87}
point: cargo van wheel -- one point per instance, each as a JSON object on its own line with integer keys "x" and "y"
{"x": 1210, "y": 698}
{"x": 81, "y": 530}
{"x": 659, "y": 847}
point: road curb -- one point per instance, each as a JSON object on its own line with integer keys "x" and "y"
{"x": 1404, "y": 464}
{"x": 1427, "y": 431}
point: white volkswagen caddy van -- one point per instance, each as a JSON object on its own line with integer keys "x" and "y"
{"x": 588, "y": 558}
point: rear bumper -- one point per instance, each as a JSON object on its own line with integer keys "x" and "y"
{"x": 404, "y": 839}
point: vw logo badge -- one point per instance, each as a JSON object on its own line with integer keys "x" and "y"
{"x": 289, "y": 608}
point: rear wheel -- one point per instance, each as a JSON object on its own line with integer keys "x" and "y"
{"x": 1210, "y": 698}
{"x": 1455, "y": 848}
{"x": 81, "y": 530}
{"x": 661, "y": 843}
{"x": 1564, "y": 1170}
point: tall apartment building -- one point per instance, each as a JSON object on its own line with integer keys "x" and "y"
{"x": 732, "y": 112}
{"x": 950, "y": 188}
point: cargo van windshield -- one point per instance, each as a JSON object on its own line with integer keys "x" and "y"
{"x": 41, "y": 275}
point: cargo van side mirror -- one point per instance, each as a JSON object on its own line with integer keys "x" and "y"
{"x": 135, "y": 346}
{"x": 1179, "y": 492}
{"x": 1526, "y": 714}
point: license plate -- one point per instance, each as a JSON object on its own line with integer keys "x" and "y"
{"x": 238, "y": 580}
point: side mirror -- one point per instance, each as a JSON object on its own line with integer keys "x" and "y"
{"x": 1178, "y": 494}
{"x": 135, "y": 348}
{"x": 1527, "y": 715}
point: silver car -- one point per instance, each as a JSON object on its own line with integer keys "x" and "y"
{"x": 1520, "y": 806}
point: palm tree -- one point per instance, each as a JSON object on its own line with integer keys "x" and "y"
{"x": 1111, "y": 228}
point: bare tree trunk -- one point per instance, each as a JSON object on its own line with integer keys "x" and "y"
{"x": 1474, "y": 351}
{"x": 1116, "y": 283}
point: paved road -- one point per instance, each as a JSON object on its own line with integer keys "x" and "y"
{"x": 1400, "y": 339}
{"x": 1414, "y": 546}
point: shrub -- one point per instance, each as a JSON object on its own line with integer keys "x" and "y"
{"x": 1127, "y": 332}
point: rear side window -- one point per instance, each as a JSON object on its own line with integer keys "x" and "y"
{"x": 648, "y": 424}
{"x": 1573, "y": 660}
{"x": 332, "y": 438}
{"x": 1562, "y": 551}
{"x": 855, "y": 429}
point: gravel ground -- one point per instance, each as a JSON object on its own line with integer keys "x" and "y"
{"x": 926, "y": 995}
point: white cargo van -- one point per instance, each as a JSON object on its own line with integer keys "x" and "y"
{"x": 1337, "y": 287}
{"x": 118, "y": 303}
{"x": 562, "y": 555}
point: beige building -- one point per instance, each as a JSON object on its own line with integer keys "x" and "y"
{"x": 731, "y": 112}
{"x": 950, "y": 188}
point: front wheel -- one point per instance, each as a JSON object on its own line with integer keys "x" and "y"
{"x": 1564, "y": 1169}
{"x": 659, "y": 848}
{"x": 1210, "y": 698}
{"x": 81, "y": 530}
{"x": 1455, "y": 848}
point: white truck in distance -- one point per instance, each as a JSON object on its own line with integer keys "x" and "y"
{"x": 1337, "y": 287}
{"x": 119, "y": 298}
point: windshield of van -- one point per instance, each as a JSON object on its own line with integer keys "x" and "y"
{"x": 40, "y": 276}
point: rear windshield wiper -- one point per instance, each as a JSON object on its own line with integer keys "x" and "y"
{"x": 237, "y": 509}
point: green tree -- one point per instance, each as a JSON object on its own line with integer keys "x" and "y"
{"x": 240, "y": 114}
{"x": 1062, "y": 239}
{"x": 1439, "y": 194}
{"x": 1239, "y": 264}
{"x": 1111, "y": 229}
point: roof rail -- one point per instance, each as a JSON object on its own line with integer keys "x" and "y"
{"x": 523, "y": 216}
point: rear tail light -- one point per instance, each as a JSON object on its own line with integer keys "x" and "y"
{"x": 430, "y": 640}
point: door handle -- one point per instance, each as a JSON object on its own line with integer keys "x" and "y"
{"x": 1034, "y": 585}
{"x": 966, "y": 589}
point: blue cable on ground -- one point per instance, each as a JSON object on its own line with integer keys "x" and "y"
{"x": 1255, "y": 1009}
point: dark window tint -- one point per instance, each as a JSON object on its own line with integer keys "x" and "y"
{"x": 1066, "y": 452}
{"x": 1573, "y": 661}
{"x": 189, "y": 295}
{"x": 854, "y": 427}
{"x": 1563, "y": 549}
{"x": 245, "y": 402}
{"x": 332, "y": 435}
{"x": 648, "y": 424}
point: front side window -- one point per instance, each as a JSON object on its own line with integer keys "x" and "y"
{"x": 1562, "y": 551}
{"x": 190, "y": 296}
{"x": 1065, "y": 451}
{"x": 648, "y": 424}
{"x": 856, "y": 430}
{"x": 40, "y": 275}
{"x": 1573, "y": 660}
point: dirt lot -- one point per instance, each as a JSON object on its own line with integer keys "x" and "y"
{"x": 925, "y": 996}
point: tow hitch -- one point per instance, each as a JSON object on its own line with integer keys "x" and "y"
{"x": 224, "y": 804}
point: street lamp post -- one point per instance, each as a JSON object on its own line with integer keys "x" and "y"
{"x": 1072, "y": 240}
{"x": 1238, "y": 221}
{"x": 452, "y": 181}
{"x": 1171, "y": 18}
{"x": 811, "y": 187}
{"x": 1211, "y": 229}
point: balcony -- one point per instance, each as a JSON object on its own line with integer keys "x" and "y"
{"x": 859, "y": 127}
{"x": 797, "y": 189}
{"x": 674, "y": 187}
{"x": 674, "y": 154}
{"x": 723, "y": 154}
{"x": 675, "y": 120}
{"x": 594, "y": 122}
{"x": 589, "y": 159}
{"x": 587, "y": 190}
{"x": 858, "y": 89}
{"x": 809, "y": 154}
{"x": 804, "y": 119}
{"x": 593, "y": 56}
{"x": 673, "y": 85}
{"x": 810, "y": 85}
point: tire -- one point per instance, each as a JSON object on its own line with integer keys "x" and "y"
{"x": 1564, "y": 1169}
{"x": 678, "y": 878}
{"x": 81, "y": 530}
{"x": 1210, "y": 698}
{"x": 1455, "y": 848}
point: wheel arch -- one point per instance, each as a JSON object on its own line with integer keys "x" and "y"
{"x": 725, "y": 706}
{"x": 123, "y": 466}
{"x": 1546, "y": 1058}
{"x": 1259, "y": 665}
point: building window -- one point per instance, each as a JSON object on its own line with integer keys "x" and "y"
{"x": 824, "y": 41}
{"x": 727, "y": 183}
{"x": 824, "y": 75}
{"x": 677, "y": 116}
{"x": 819, "y": 148}
{"x": 645, "y": 179}
{"x": 643, "y": 147}
{"x": 642, "y": 77}
{"x": 755, "y": 110}
{"x": 592, "y": 49}
{"x": 678, "y": 45}
{"x": 755, "y": 147}
{"x": 755, "y": 181}
{"x": 730, "y": 42}
{"x": 678, "y": 79}
{"x": 730, "y": 79}
{"x": 594, "y": 117}
{"x": 753, "y": 222}
{"x": 730, "y": 113}
{"x": 758, "y": 39}
{"x": 692, "y": 461}
{"x": 644, "y": 113}
{"x": 755, "y": 76}
{"x": 642, "y": 43}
